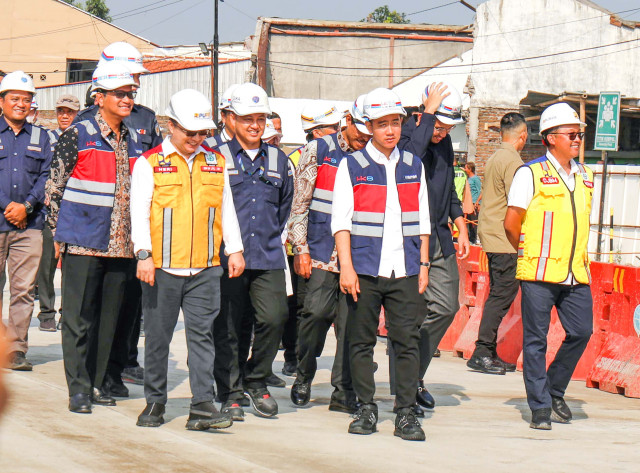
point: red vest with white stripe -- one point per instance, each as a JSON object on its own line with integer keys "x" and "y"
{"x": 87, "y": 203}
{"x": 369, "y": 181}
{"x": 319, "y": 237}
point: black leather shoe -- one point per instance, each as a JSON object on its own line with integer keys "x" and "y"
{"x": 80, "y": 403}
{"x": 234, "y": 409}
{"x": 273, "y": 381}
{"x": 541, "y": 419}
{"x": 114, "y": 387}
{"x": 263, "y": 403}
{"x": 346, "y": 403}
{"x": 560, "y": 412}
{"x": 423, "y": 397}
{"x": 204, "y": 415}
{"x": 365, "y": 420}
{"x": 151, "y": 416}
{"x": 407, "y": 426}
{"x": 509, "y": 367}
{"x": 485, "y": 364}
{"x": 289, "y": 368}
{"x": 300, "y": 393}
{"x": 417, "y": 410}
{"x": 101, "y": 398}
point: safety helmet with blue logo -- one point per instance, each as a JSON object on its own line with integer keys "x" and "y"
{"x": 17, "y": 80}
{"x": 249, "y": 98}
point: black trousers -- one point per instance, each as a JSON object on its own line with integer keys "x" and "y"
{"x": 400, "y": 299}
{"x": 503, "y": 289}
{"x": 575, "y": 311}
{"x": 324, "y": 304}
{"x": 46, "y": 273}
{"x": 125, "y": 336}
{"x": 472, "y": 226}
{"x": 92, "y": 296}
{"x": 257, "y": 298}
{"x": 294, "y": 303}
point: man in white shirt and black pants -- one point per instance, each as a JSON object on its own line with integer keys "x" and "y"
{"x": 380, "y": 220}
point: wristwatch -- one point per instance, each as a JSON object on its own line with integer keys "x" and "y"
{"x": 426, "y": 264}
{"x": 142, "y": 255}
{"x": 28, "y": 207}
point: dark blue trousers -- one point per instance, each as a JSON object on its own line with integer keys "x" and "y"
{"x": 575, "y": 310}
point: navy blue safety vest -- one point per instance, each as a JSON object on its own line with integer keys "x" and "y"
{"x": 369, "y": 181}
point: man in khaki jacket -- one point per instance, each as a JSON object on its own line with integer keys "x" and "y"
{"x": 502, "y": 257}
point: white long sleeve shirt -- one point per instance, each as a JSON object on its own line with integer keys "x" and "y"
{"x": 142, "y": 186}
{"x": 392, "y": 257}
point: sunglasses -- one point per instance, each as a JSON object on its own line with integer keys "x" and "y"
{"x": 120, "y": 94}
{"x": 191, "y": 134}
{"x": 572, "y": 135}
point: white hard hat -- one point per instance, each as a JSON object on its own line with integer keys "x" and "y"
{"x": 270, "y": 131}
{"x": 123, "y": 52}
{"x": 249, "y": 98}
{"x": 316, "y": 114}
{"x": 357, "y": 116}
{"x": 380, "y": 103}
{"x": 191, "y": 109}
{"x": 450, "y": 110}
{"x": 111, "y": 76}
{"x": 225, "y": 99}
{"x": 34, "y": 105}
{"x": 559, "y": 114}
{"x": 17, "y": 80}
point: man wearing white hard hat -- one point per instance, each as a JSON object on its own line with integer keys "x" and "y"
{"x": 262, "y": 189}
{"x": 547, "y": 222}
{"x": 315, "y": 257}
{"x": 380, "y": 220}
{"x": 226, "y": 132}
{"x": 25, "y": 157}
{"x": 271, "y": 135}
{"x": 181, "y": 210}
{"x": 443, "y": 111}
{"x": 88, "y": 193}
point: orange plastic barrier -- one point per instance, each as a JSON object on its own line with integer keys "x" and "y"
{"x": 382, "y": 327}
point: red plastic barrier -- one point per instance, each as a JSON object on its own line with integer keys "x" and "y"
{"x": 455, "y": 329}
{"x": 617, "y": 367}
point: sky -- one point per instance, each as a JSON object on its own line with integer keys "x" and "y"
{"x": 174, "y": 22}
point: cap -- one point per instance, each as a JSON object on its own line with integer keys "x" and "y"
{"x": 69, "y": 101}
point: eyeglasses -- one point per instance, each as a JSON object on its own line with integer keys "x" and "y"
{"x": 572, "y": 135}
{"x": 441, "y": 129}
{"x": 191, "y": 134}
{"x": 120, "y": 94}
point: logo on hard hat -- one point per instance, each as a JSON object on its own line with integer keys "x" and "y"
{"x": 255, "y": 99}
{"x": 23, "y": 79}
{"x": 203, "y": 115}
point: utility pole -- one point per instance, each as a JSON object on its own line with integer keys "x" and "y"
{"x": 214, "y": 62}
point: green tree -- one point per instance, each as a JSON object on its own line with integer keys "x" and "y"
{"x": 96, "y": 7}
{"x": 384, "y": 15}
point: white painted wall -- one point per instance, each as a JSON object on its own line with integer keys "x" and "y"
{"x": 517, "y": 29}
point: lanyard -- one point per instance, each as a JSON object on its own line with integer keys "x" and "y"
{"x": 260, "y": 170}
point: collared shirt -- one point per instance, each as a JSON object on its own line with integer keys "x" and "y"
{"x": 24, "y": 169}
{"x": 392, "y": 255}
{"x": 304, "y": 184}
{"x": 521, "y": 192}
{"x": 142, "y": 187}
{"x": 64, "y": 161}
{"x": 498, "y": 175}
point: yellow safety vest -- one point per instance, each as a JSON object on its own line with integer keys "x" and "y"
{"x": 186, "y": 210}
{"x": 555, "y": 229}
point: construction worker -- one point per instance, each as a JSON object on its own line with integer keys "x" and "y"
{"x": 262, "y": 189}
{"x": 547, "y": 222}
{"x": 315, "y": 257}
{"x": 380, "y": 220}
{"x": 25, "y": 158}
{"x": 226, "y": 131}
{"x": 67, "y": 107}
{"x": 180, "y": 194}
{"x": 443, "y": 111}
{"x": 502, "y": 257}
{"x": 271, "y": 134}
{"x": 88, "y": 196}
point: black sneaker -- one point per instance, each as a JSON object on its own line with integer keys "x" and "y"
{"x": 541, "y": 419}
{"x": 509, "y": 367}
{"x": 300, "y": 393}
{"x": 275, "y": 382}
{"x": 485, "y": 364}
{"x": 204, "y": 415}
{"x": 48, "y": 325}
{"x": 19, "y": 362}
{"x": 364, "y": 420}
{"x": 344, "y": 402}
{"x": 234, "y": 409}
{"x": 424, "y": 397}
{"x": 151, "y": 416}
{"x": 417, "y": 410}
{"x": 289, "y": 368}
{"x": 407, "y": 426}
{"x": 263, "y": 403}
{"x": 560, "y": 412}
{"x": 133, "y": 375}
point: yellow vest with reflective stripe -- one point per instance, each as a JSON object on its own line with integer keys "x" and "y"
{"x": 186, "y": 210}
{"x": 555, "y": 229}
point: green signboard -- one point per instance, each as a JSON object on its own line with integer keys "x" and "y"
{"x": 608, "y": 125}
